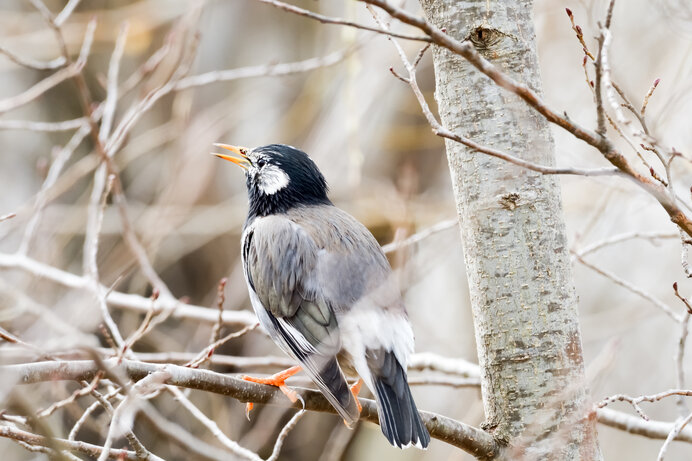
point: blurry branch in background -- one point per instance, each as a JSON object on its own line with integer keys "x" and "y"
{"x": 338, "y": 21}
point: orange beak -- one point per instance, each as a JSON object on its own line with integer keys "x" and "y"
{"x": 242, "y": 162}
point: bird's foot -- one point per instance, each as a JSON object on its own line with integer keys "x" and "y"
{"x": 355, "y": 390}
{"x": 278, "y": 380}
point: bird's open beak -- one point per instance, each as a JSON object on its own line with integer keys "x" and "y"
{"x": 242, "y": 162}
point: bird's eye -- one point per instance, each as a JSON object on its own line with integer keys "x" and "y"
{"x": 261, "y": 162}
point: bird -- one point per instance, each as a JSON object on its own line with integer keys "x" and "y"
{"x": 323, "y": 289}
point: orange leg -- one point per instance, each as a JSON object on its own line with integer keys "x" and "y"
{"x": 278, "y": 380}
{"x": 355, "y": 390}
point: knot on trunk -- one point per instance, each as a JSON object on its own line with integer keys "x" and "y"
{"x": 484, "y": 37}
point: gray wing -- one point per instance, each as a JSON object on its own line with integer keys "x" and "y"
{"x": 281, "y": 260}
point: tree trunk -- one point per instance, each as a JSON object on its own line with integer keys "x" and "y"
{"x": 522, "y": 294}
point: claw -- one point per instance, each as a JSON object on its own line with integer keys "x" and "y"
{"x": 277, "y": 380}
{"x": 355, "y": 390}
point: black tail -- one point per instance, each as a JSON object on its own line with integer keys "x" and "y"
{"x": 334, "y": 387}
{"x": 399, "y": 418}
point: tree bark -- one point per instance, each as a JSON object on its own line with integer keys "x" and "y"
{"x": 522, "y": 294}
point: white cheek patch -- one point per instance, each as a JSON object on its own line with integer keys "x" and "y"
{"x": 272, "y": 179}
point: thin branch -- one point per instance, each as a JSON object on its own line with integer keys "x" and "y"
{"x": 220, "y": 299}
{"x": 422, "y": 235}
{"x": 101, "y": 400}
{"x": 32, "y": 63}
{"x": 29, "y": 125}
{"x": 38, "y": 89}
{"x": 468, "y": 438}
{"x": 674, "y": 433}
{"x": 128, "y": 301}
{"x": 284, "y": 433}
{"x": 78, "y": 447}
{"x": 231, "y": 445}
{"x": 53, "y": 173}
{"x": 580, "y": 35}
{"x": 112, "y": 87}
{"x": 7, "y": 216}
{"x": 268, "y": 70}
{"x": 122, "y": 417}
{"x": 648, "y": 95}
{"x": 634, "y": 289}
{"x": 72, "y": 398}
{"x": 330, "y": 20}
{"x": 54, "y": 79}
{"x": 208, "y": 352}
{"x": 638, "y": 426}
{"x": 635, "y": 401}
{"x": 97, "y": 203}
{"x": 443, "y": 381}
{"x": 651, "y": 236}
{"x": 66, "y": 12}
{"x": 680, "y": 361}
{"x": 181, "y": 437}
{"x": 600, "y": 110}
{"x": 136, "y": 246}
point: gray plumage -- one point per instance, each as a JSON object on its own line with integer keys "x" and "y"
{"x": 323, "y": 289}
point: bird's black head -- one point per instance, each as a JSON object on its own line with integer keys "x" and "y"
{"x": 278, "y": 178}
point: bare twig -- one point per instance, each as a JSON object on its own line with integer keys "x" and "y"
{"x": 112, "y": 93}
{"x": 123, "y": 416}
{"x": 220, "y": 298}
{"x": 56, "y": 78}
{"x": 90, "y": 409}
{"x": 66, "y": 12}
{"x": 650, "y": 236}
{"x": 207, "y": 353}
{"x": 284, "y": 433}
{"x": 635, "y": 425}
{"x": 72, "y": 398}
{"x": 635, "y": 401}
{"x": 329, "y": 20}
{"x": 7, "y": 216}
{"x": 679, "y": 426}
{"x": 77, "y": 447}
{"x": 42, "y": 197}
{"x": 32, "y": 63}
{"x": 181, "y": 437}
{"x": 232, "y": 446}
{"x": 580, "y": 34}
{"x": 125, "y": 300}
{"x": 30, "y": 125}
{"x": 419, "y": 236}
{"x": 648, "y": 95}
{"x": 97, "y": 204}
{"x": 634, "y": 289}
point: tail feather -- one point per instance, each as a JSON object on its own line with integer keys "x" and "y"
{"x": 333, "y": 385}
{"x": 399, "y": 417}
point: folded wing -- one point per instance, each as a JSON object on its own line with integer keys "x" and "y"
{"x": 281, "y": 260}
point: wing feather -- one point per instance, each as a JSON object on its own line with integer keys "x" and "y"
{"x": 281, "y": 260}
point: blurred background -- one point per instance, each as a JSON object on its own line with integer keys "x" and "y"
{"x": 364, "y": 129}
